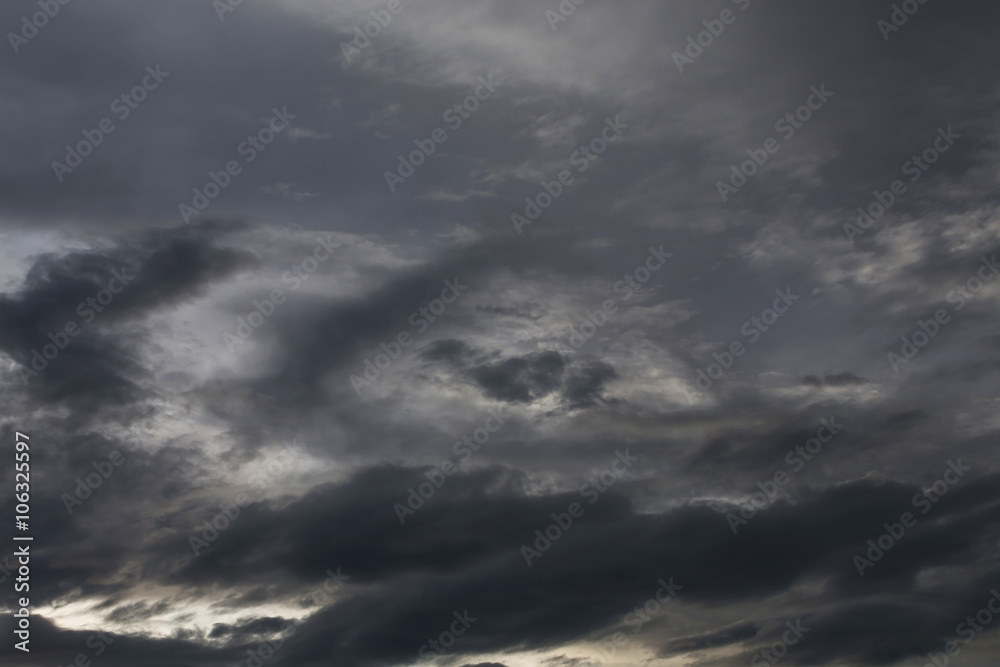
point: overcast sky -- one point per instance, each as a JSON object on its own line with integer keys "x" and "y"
{"x": 512, "y": 332}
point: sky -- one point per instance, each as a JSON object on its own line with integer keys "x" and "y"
{"x": 485, "y": 333}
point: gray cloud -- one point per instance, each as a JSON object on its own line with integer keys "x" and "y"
{"x": 563, "y": 329}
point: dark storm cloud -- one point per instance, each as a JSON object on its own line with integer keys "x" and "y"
{"x": 471, "y": 530}
{"x": 584, "y": 387}
{"x": 149, "y": 376}
{"x": 528, "y": 378}
{"x": 63, "y": 646}
{"x": 79, "y": 302}
{"x": 521, "y": 379}
{"x": 75, "y": 517}
{"x": 315, "y": 338}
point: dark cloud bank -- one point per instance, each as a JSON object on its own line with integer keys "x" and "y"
{"x": 273, "y": 434}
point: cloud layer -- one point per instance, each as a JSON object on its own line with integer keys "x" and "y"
{"x": 672, "y": 329}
